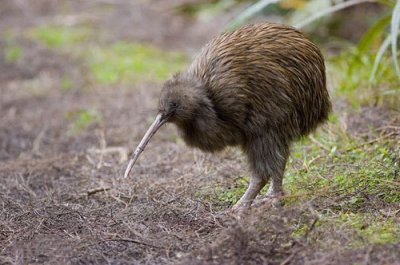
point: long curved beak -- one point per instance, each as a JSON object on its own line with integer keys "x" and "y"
{"x": 158, "y": 122}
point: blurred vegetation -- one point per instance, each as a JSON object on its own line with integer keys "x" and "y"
{"x": 107, "y": 63}
{"x": 133, "y": 62}
{"x": 58, "y": 36}
{"x": 81, "y": 119}
{"x": 12, "y": 53}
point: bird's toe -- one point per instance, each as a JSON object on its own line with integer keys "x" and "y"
{"x": 268, "y": 201}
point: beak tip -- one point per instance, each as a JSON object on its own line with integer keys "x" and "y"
{"x": 150, "y": 132}
{"x": 128, "y": 168}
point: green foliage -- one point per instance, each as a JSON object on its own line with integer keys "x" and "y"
{"x": 222, "y": 197}
{"x": 355, "y": 173}
{"x": 66, "y": 83}
{"x": 369, "y": 229}
{"x": 81, "y": 119}
{"x": 204, "y": 8}
{"x": 13, "y": 53}
{"x": 394, "y": 32}
{"x": 351, "y": 71}
{"x": 232, "y": 194}
{"x": 60, "y": 36}
{"x": 249, "y": 12}
{"x": 133, "y": 62}
{"x": 120, "y": 62}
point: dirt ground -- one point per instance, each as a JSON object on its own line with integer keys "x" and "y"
{"x": 62, "y": 196}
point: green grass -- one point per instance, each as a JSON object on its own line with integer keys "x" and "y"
{"x": 109, "y": 63}
{"x": 79, "y": 120}
{"x": 351, "y": 169}
{"x": 232, "y": 194}
{"x": 356, "y": 169}
{"x": 351, "y": 72}
{"x": 368, "y": 228}
{"x": 66, "y": 83}
{"x": 353, "y": 183}
{"x": 133, "y": 62}
{"x": 12, "y": 53}
{"x": 60, "y": 36}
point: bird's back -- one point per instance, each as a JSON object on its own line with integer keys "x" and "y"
{"x": 265, "y": 76}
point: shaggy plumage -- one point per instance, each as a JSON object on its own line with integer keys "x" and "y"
{"x": 259, "y": 87}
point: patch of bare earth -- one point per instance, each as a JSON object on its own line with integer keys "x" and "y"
{"x": 62, "y": 197}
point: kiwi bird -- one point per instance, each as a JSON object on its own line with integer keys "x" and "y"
{"x": 260, "y": 88}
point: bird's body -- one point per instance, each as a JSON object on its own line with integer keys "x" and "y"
{"x": 259, "y": 87}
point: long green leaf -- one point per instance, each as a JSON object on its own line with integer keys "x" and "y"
{"x": 373, "y": 33}
{"x": 330, "y": 10}
{"x": 379, "y": 56}
{"x": 376, "y": 31}
{"x": 394, "y": 32}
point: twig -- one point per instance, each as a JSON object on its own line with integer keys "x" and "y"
{"x": 178, "y": 196}
{"x": 315, "y": 141}
{"x": 371, "y": 141}
{"x": 312, "y": 226}
{"x": 131, "y": 241}
{"x": 94, "y": 191}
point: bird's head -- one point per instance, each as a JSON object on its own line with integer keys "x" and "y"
{"x": 181, "y": 99}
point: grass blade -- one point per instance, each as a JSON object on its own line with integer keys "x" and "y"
{"x": 330, "y": 10}
{"x": 378, "y": 58}
{"x": 394, "y": 32}
{"x": 373, "y": 34}
{"x": 251, "y": 11}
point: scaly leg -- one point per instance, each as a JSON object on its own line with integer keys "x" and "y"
{"x": 255, "y": 186}
{"x": 267, "y": 156}
{"x": 275, "y": 187}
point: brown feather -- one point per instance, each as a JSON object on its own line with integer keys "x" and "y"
{"x": 259, "y": 87}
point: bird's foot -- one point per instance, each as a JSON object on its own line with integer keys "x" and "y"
{"x": 239, "y": 209}
{"x": 268, "y": 201}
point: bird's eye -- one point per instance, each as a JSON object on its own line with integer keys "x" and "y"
{"x": 173, "y": 104}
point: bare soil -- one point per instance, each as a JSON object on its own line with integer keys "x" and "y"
{"x": 62, "y": 197}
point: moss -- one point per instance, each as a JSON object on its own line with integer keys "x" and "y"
{"x": 354, "y": 170}
{"x": 368, "y": 228}
{"x": 232, "y": 194}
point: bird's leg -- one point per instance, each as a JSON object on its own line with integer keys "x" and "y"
{"x": 267, "y": 156}
{"x": 275, "y": 187}
{"x": 254, "y": 188}
{"x": 274, "y": 193}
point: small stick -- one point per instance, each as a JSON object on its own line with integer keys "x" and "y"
{"x": 131, "y": 241}
{"x": 315, "y": 141}
{"x": 94, "y": 191}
